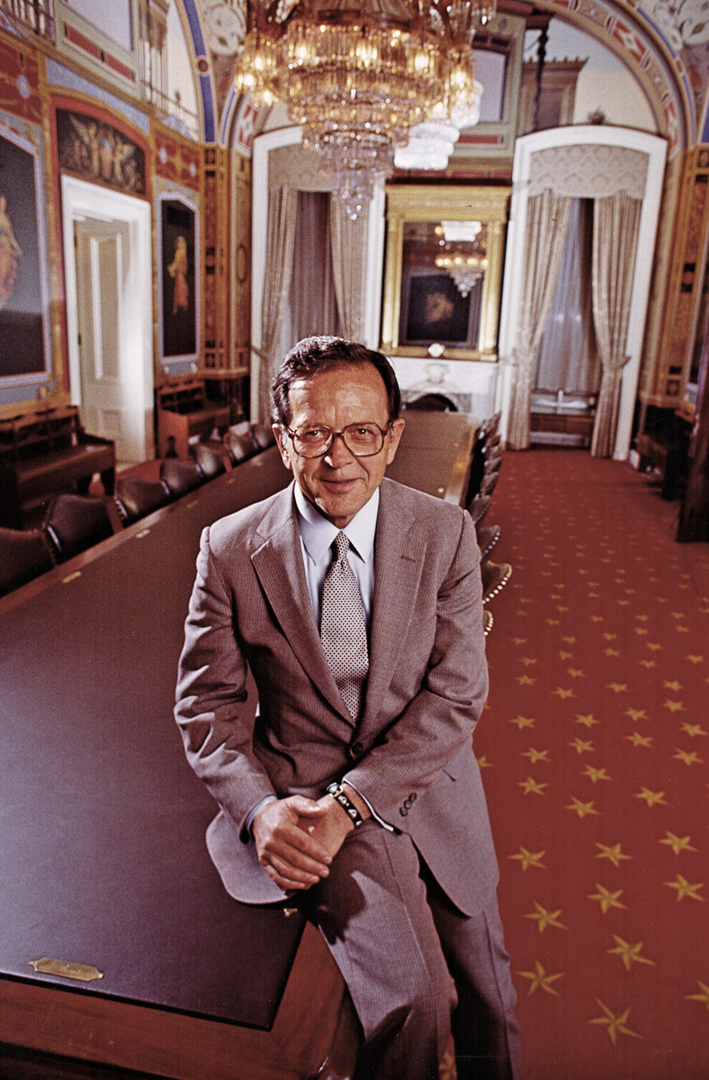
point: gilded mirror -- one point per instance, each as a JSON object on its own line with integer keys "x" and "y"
{"x": 443, "y": 270}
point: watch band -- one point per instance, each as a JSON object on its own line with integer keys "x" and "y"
{"x": 338, "y": 794}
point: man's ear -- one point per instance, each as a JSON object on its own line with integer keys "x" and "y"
{"x": 397, "y": 430}
{"x": 282, "y": 442}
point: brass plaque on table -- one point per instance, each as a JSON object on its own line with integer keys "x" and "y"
{"x": 66, "y": 969}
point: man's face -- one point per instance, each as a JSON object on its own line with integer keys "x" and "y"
{"x": 339, "y": 484}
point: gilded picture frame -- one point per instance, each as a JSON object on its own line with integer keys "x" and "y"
{"x": 25, "y": 354}
{"x": 468, "y": 326}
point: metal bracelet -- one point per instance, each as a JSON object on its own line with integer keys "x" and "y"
{"x": 338, "y": 794}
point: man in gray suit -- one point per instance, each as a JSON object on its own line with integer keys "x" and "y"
{"x": 355, "y": 787}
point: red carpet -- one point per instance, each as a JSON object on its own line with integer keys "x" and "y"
{"x": 595, "y": 743}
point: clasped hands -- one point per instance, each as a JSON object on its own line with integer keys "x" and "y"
{"x": 297, "y": 838}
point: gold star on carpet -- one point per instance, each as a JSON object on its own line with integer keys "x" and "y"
{"x": 640, "y": 630}
{"x": 601, "y": 618}
{"x": 674, "y": 685}
{"x": 566, "y": 655}
{"x": 577, "y": 673}
{"x": 642, "y": 618}
{"x": 553, "y": 622}
{"x": 610, "y": 637}
{"x": 655, "y": 646}
{"x": 677, "y": 843}
{"x": 569, "y": 640}
{"x": 695, "y": 659}
{"x": 613, "y": 853}
{"x": 639, "y": 740}
{"x": 693, "y": 729}
{"x": 536, "y": 755}
{"x": 648, "y": 663}
{"x": 685, "y": 889}
{"x": 581, "y": 808}
{"x": 540, "y": 979}
{"x": 528, "y": 858}
{"x": 607, "y": 899}
{"x": 612, "y": 652}
{"x": 617, "y": 687}
{"x": 530, "y": 785}
{"x": 545, "y": 918}
{"x": 614, "y": 1024}
{"x": 674, "y": 706}
{"x": 523, "y": 721}
{"x": 595, "y": 774}
{"x": 563, "y": 694}
{"x": 519, "y": 640}
{"x": 636, "y": 714}
{"x": 703, "y": 997}
{"x": 587, "y": 721}
{"x": 677, "y": 614}
{"x": 524, "y": 680}
{"x": 483, "y": 763}
{"x": 629, "y": 954}
{"x": 652, "y": 798}
{"x": 581, "y": 745}
{"x": 689, "y": 757}
{"x": 623, "y": 603}
{"x": 527, "y": 660}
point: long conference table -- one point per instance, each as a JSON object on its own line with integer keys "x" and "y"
{"x": 119, "y": 944}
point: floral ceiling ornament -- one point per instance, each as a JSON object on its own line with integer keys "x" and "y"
{"x": 358, "y": 77}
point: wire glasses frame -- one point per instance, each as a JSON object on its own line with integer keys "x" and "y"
{"x": 362, "y": 440}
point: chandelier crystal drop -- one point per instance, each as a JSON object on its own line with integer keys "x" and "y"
{"x": 358, "y": 79}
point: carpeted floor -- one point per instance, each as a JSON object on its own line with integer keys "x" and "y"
{"x": 595, "y": 747}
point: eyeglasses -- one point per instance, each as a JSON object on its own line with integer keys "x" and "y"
{"x": 362, "y": 440}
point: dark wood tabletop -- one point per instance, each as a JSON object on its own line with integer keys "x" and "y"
{"x": 103, "y": 861}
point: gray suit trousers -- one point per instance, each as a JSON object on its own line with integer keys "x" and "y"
{"x": 408, "y": 956}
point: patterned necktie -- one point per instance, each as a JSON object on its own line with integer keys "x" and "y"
{"x": 342, "y": 628}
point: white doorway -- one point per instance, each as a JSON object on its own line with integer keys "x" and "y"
{"x": 109, "y": 314}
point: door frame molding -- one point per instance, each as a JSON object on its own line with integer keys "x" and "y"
{"x": 79, "y": 200}
{"x": 582, "y": 135}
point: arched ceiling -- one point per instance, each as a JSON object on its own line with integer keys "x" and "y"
{"x": 663, "y": 43}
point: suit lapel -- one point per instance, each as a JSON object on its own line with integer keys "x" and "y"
{"x": 278, "y": 563}
{"x": 399, "y": 558}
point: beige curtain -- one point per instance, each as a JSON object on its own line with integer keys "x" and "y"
{"x": 313, "y": 300}
{"x": 547, "y": 221}
{"x": 282, "y": 208}
{"x": 616, "y": 223}
{"x": 349, "y": 264}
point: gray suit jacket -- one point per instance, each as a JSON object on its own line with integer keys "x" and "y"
{"x": 411, "y": 753}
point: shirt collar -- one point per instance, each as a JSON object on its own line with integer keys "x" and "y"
{"x": 318, "y": 534}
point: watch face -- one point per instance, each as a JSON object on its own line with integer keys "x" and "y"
{"x": 226, "y": 27}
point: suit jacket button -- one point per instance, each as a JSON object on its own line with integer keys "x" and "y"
{"x": 357, "y": 748}
{"x": 412, "y": 797}
{"x": 403, "y": 810}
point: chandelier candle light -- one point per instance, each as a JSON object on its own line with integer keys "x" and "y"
{"x": 358, "y": 79}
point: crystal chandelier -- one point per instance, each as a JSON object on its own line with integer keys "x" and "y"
{"x": 431, "y": 143}
{"x": 465, "y": 267}
{"x": 357, "y": 79}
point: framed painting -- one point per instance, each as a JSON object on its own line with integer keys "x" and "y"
{"x": 178, "y": 280}
{"x": 24, "y": 334}
{"x": 443, "y": 270}
{"x": 433, "y": 309}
